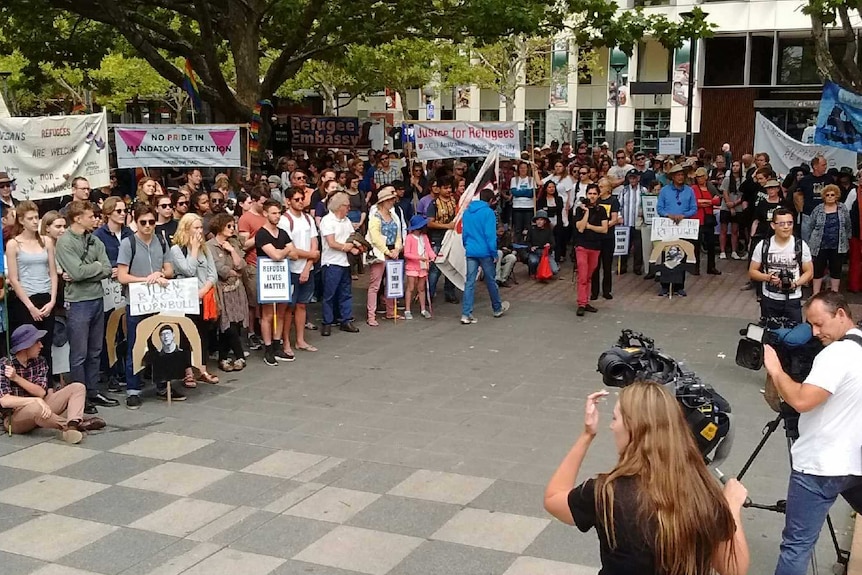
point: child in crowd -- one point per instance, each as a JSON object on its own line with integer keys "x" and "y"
{"x": 418, "y": 254}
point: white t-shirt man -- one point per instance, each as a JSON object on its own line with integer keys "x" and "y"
{"x": 301, "y": 233}
{"x": 341, "y": 229}
{"x": 830, "y": 436}
{"x": 618, "y": 172}
{"x": 781, "y": 258}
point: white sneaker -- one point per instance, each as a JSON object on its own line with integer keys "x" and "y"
{"x": 468, "y": 319}
{"x": 735, "y": 256}
{"x": 722, "y": 256}
{"x": 504, "y": 307}
{"x": 408, "y": 315}
{"x": 426, "y": 314}
{"x": 71, "y": 436}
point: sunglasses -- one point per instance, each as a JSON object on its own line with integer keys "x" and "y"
{"x": 231, "y": 226}
{"x": 147, "y": 222}
{"x": 5, "y": 185}
{"x": 583, "y": 173}
{"x": 300, "y": 177}
{"x": 120, "y": 211}
{"x": 830, "y": 195}
{"x": 182, "y": 203}
{"x": 216, "y": 201}
{"x": 166, "y": 206}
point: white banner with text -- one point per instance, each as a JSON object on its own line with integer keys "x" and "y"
{"x": 785, "y": 152}
{"x": 178, "y": 297}
{"x": 665, "y": 229}
{"x": 167, "y": 145}
{"x": 441, "y": 140}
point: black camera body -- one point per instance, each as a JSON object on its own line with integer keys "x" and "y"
{"x": 786, "y": 278}
{"x": 634, "y": 357}
{"x": 795, "y": 346}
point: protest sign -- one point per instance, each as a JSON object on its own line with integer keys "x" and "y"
{"x": 785, "y": 152}
{"x": 839, "y": 121}
{"x": 45, "y": 154}
{"x": 169, "y": 145}
{"x": 621, "y": 240}
{"x": 440, "y": 140}
{"x": 649, "y": 204}
{"x": 670, "y": 146}
{"x": 665, "y": 229}
{"x": 394, "y": 279}
{"x": 178, "y": 297}
{"x": 273, "y": 281}
{"x": 112, "y": 294}
{"x": 324, "y": 132}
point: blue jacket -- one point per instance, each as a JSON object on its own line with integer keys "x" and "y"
{"x": 676, "y": 202}
{"x": 112, "y": 244}
{"x": 479, "y": 231}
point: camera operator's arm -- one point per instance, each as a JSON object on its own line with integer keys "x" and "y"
{"x": 800, "y": 396}
{"x": 563, "y": 480}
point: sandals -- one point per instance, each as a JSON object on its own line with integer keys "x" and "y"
{"x": 306, "y": 347}
{"x": 189, "y": 380}
{"x": 372, "y": 322}
{"x": 207, "y": 377}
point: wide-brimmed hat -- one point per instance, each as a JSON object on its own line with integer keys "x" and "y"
{"x": 5, "y": 179}
{"x": 274, "y": 180}
{"x": 771, "y": 184}
{"x": 417, "y": 222}
{"x": 541, "y": 214}
{"x": 25, "y": 337}
{"x": 676, "y": 168}
{"x": 386, "y": 194}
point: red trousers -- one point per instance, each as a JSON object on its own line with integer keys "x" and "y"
{"x": 588, "y": 261}
{"x": 854, "y": 276}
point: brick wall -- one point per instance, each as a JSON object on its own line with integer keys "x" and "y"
{"x": 728, "y": 116}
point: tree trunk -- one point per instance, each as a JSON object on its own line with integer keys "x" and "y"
{"x": 402, "y": 94}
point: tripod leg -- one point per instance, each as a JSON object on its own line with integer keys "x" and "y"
{"x": 768, "y": 430}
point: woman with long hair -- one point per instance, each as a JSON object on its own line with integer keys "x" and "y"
{"x": 550, "y": 201}
{"x": 731, "y": 211}
{"x": 658, "y": 510}
{"x": 229, "y": 262}
{"x": 192, "y": 259}
{"x": 604, "y": 167}
{"x": 146, "y": 193}
{"x": 32, "y": 274}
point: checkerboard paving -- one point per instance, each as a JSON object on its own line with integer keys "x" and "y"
{"x": 169, "y": 504}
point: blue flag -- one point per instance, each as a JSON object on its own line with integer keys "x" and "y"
{"x": 839, "y": 122}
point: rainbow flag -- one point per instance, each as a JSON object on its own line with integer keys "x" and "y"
{"x": 190, "y": 85}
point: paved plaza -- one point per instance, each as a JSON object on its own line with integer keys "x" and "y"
{"x": 421, "y": 448}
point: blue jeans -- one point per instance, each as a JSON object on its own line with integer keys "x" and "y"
{"x": 86, "y": 325}
{"x": 809, "y": 498}
{"x": 488, "y": 271}
{"x": 434, "y": 274}
{"x": 533, "y": 259}
{"x": 337, "y": 292}
{"x": 133, "y": 380}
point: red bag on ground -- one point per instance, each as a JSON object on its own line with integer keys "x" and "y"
{"x": 544, "y": 272}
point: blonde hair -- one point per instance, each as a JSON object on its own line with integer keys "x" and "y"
{"x": 183, "y": 235}
{"x": 338, "y": 200}
{"x": 48, "y": 219}
{"x": 823, "y": 191}
{"x": 677, "y": 493}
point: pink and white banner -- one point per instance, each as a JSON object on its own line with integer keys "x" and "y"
{"x": 166, "y": 145}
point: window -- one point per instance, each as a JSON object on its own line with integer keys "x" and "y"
{"x": 489, "y": 115}
{"x": 796, "y": 63}
{"x": 724, "y": 61}
{"x": 538, "y": 118}
{"x": 591, "y": 126}
{"x": 650, "y": 125}
{"x": 654, "y": 62}
{"x": 652, "y": 2}
{"x": 760, "y": 70}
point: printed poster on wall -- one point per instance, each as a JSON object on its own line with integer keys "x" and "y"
{"x": 45, "y": 154}
{"x": 273, "y": 281}
{"x": 167, "y": 145}
{"x": 441, "y": 140}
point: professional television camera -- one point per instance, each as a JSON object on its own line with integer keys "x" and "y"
{"x": 708, "y": 414}
{"x": 795, "y": 345}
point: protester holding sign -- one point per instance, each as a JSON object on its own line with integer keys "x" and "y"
{"x": 32, "y": 273}
{"x": 385, "y": 235}
{"x": 83, "y": 259}
{"x": 147, "y": 260}
{"x": 274, "y": 243}
{"x": 192, "y": 259}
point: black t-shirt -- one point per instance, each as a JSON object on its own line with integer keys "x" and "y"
{"x": 763, "y": 216}
{"x": 633, "y": 552}
{"x": 591, "y": 239}
{"x": 611, "y": 205}
{"x": 167, "y": 231}
{"x": 750, "y": 191}
{"x": 810, "y": 187}
{"x": 263, "y": 238}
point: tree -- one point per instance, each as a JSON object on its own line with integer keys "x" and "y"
{"x": 329, "y": 80}
{"x": 838, "y": 65}
{"x": 119, "y": 80}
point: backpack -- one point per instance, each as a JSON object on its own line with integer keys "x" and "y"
{"x": 290, "y": 219}
{"x": 134, "y": 245}
{"x": 797, "y": 250}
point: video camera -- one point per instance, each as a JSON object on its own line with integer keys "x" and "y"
{"x": 795, "y": 345}
{"x": 634, "y": 357}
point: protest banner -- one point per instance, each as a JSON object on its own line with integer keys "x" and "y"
{"x": 112, "y": 294}
{"x": 785, "y": 152}
{"x": 178, "y": 297}
{"x": 324, "y": 132}
{"x": 649, "y": 204}
{"x": 273, "y": 281}
{"x": 168, "y": 145}
{"x": 394, "y": 279}
{"x": 45, "y": 154}
{"x": 621, "y": 240}
{"x": 441, "y": 140}
{"x": 665, "y": 229}
{"x": 839, "y": 120}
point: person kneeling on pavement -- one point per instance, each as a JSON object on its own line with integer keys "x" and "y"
{"x": 24, "y": 391}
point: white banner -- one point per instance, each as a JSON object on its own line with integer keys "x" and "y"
{"x": 179, "y": 297}
{"x": 440, "y": 140}
{"x": 45, "y": 154}
{"x": 273, "y": 281}
{"x": 665, "y": 229}
{"x": 166, "y": 145}
{"x": 621, "y": 240}
{"x": 785, "y": 152}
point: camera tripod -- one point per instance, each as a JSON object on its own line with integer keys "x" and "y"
{"x": 790, "y": 419}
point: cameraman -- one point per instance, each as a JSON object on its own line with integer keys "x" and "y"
{"x": 655, "y": 509}
{"x": 782, "y": 263}
{"x": 826, "y": 460}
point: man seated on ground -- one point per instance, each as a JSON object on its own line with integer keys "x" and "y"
{"x": 506, "y": 257}
{"x": 29, "y": 402}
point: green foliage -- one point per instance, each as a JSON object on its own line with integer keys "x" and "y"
{"x": 119, "y": 79}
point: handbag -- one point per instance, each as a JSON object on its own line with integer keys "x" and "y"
{"x": 210, "y": 306}
{"x": 544, "y": 271}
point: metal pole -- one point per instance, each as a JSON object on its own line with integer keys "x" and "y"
{"x": 616, "y": 108}
{"x": 689, "y": 109}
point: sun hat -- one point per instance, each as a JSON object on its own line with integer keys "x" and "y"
{"x": 541, "y": 214}
{"x": 25, "y": 337}
{"x": 417, "y": 222}
{"x": 386, "y": 194}
{"x": 676, "y": 168}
